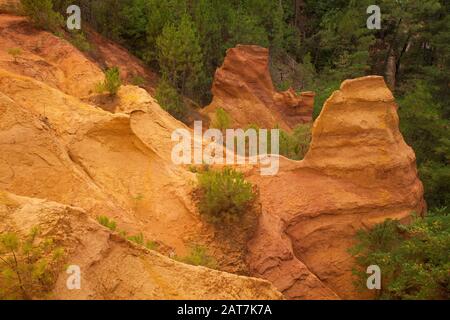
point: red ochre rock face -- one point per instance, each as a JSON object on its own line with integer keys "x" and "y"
{"x": 243, "y": 87}
{"x": 358, "y": 172}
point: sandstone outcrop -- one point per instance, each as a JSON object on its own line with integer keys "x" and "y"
{"x": 46, "y": 58}
{"x": 56, "y": 146}
{"x": 243, "y": 87}
{"x": 358, "y": 172}
{"x": 53, "y": 60}
{"x": 114, "y": 268}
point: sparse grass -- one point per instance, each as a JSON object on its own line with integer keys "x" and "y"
{"x": 138, "y": 239}
{"x": 152, "y": 245}
{"x": 106, "y": 222}
{"x": 199, "y": 256}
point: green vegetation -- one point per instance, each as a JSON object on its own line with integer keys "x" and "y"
{"x": 108, "y": 223}
{"x": 296, "y": 145}
{"x": 15, "y": 53}
{"x": 425, "y": 129}
{"x": 222, "y": 120}
{"x": 112, "y": 81}
{"x": 180, "y": 56}
{"x": 79, "y": 40}
{"x": 225, "y": 195}
{"x": 318, "y": 45}
{"x": 42, "y": 14}
{"x": 138, "y": 81}
{"x": 293, "y": 145}
{"x": 28, "y": 268}
{"x": 170, "y": 100}
{"x": 138, "y": 239}
{"x": 199, "y": 256}
{"x": 414, "y": 259}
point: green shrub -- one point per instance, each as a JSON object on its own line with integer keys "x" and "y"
{"x": 106, "y": 222}
{"x": 426, "y": 130}
{"x": 222, "y": 120}
{"x": 79, "y": 40}
{"x": 138, "y": 239}
{"x": 170, "y": 100}
{"x": 296, "y": 145}
{"x": 414, "y": 259}
{"x": 138, "y": 81}
{"x": 42, "y": 14}
{"x": 29, "y": 268}
{"x": 198, "y": 256}
{"x": 224, "y": 194}
{"x": 151, "y": 245}
{"x": 112, "y": 82}
{"x": 15, "y": 53}
{"x": 323, "y": 92}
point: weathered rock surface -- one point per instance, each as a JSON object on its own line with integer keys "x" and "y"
{"x": 53, "y": 60}
{"x": 103, "y": 151}
{"x": 243, "y": 87}
{"x": 56, "y": 146}
{"x": 358, "y": 172}
{"x": 113, "y": 268}
{"x": 46, "y": 58}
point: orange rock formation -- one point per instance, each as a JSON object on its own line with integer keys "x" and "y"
{"x": 56, "y": 147}
{"x": 243, "y": 87}
{"x": 358, "y": 172}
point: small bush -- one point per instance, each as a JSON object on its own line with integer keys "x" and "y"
{"x": 414, "y": 259}
{"x": 151, "y": 245}
{"x": 199, "y": 256}
{"x": 296, "y": 145}
{"x": 138, "y": 81}
{"x": 138, "y": 239}
{"x": 222, "y": 120}
{"x": 29, "y": 268}
{"x": 112, "y": 82}
{"x": 224, "y": 194}
{"x": 79, "y": 40}
{"x": 170, "y": 100}
{"x": 42, "y": 14}
{"x": 106, "y": 222}
{"x": 15, "y": 53}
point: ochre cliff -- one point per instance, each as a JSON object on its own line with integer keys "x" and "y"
{"x": 358, "y": 172}
{"x": 113, "y": 268}
{"x": 243, "y": 87}
{"x": 57, "y": 144}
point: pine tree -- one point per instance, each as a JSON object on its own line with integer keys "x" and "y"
{"x": 42, "y": 14}
{"x": 180, "y": 55}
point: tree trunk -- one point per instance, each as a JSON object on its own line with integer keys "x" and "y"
{"x": 391, "y": 71}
